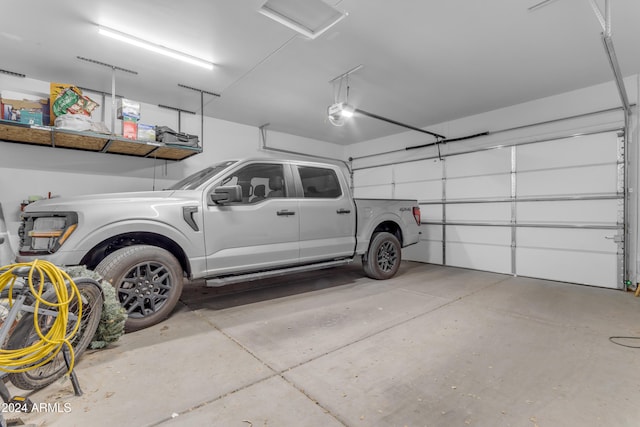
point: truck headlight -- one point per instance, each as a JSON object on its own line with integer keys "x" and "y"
{"x": 46, "y": 232}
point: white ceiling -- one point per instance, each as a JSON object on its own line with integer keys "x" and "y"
{"x": 424, "y": 62}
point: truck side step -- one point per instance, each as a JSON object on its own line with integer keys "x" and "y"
{"x": 227, "y": 280}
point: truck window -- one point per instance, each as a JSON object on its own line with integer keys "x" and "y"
{"x": 258, "y": 181}
{"x": 195, "y": 180}
{"x": 319, "y": 182}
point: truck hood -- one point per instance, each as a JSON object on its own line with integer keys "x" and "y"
{"x": 75, "y": 203}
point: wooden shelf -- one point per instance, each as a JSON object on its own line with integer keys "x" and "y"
{"x": 90, "y": 141}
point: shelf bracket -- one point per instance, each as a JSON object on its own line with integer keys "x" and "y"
{"x": 107, "y": 145}
{"x": 149, "y": 154}
{"x": 202, "y": 92}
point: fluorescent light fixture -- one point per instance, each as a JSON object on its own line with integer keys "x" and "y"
{"x": 153, "y": 47}
{"x": 308, "y": 17}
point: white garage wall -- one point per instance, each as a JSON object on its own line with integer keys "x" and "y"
{"x": 581, "y": 166}
{"x": 34, "y": 170}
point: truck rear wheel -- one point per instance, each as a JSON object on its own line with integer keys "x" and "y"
{"x": 383, "y": 258}
{"x": 148, "y": 282}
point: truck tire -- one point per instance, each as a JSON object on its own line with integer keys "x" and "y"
{"x": 382, "y": 261}
{"x": 148, "y": 282}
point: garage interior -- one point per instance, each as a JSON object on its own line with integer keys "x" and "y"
{"x": 514, "y": 124}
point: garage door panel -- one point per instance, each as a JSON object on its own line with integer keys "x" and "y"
{"x": 578, "y": 212}
{"x": 373, "y": 176}
{"x": 480, "y": 163}
{"x": 494, "y": 258}
{"x": 599, "y": 179}
{"x": 579, "y": 240}
{"x": 478, "y": 235}
{"x": 479, "y": 187}
{"x": 481, "y": 212}
{"x": 431, "y": 213}
{"x": 374, "y": 192}
{"x": 431, "y": 232}
{"x": 426, "y": 170}
{"x": 429, "y": 190}
{"x": 594, "y": 269}
{"x": 424, "y": 251}
{"x": 562, "y": 153}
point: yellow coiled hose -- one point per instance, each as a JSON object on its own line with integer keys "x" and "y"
{"x": 50, "y": 344}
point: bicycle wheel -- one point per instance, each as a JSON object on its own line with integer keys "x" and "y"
{"x": 5, "y": 307}
{"x": 25, "y": 335}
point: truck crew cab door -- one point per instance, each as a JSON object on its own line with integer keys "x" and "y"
{"x": 260, "y": 231}
{"x": 327, "y": 214}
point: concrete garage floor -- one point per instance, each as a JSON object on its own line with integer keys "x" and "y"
{"x": 435, "y": 346}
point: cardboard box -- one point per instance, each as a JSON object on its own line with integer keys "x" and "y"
{"x": 34, "y": 110}
{"x": 128, "y": 110}
{"x": 146, "y": 132}
{"x": 129, "y": 129}
{"x": 31, "y": 117}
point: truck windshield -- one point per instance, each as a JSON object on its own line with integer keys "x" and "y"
{"x": 195, "y": 180}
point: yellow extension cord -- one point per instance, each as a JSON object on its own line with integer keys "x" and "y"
{"x": 50, "y": 344}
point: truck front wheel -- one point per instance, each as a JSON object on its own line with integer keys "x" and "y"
{"x": 148, "y": 282}
{"x": 383, "y": 258}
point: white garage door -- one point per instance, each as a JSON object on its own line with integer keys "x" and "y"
{"x": 551, "y": 209}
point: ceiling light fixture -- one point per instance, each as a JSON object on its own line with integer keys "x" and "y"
{"x": 338, "y": 112}
{"x": 153, "y": 47}
{"x": 347, "y": 111}
{"x": 341, "y": 110}
{"x": 308, "y": 17}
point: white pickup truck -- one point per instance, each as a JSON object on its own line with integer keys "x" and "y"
{"x": 234, "y": 221}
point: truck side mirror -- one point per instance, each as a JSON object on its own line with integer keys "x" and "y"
{"x": 226, "y": 194}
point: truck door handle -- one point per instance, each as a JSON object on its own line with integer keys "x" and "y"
{"x": 343, "y": 211}
{"x": 285, "y": 213}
